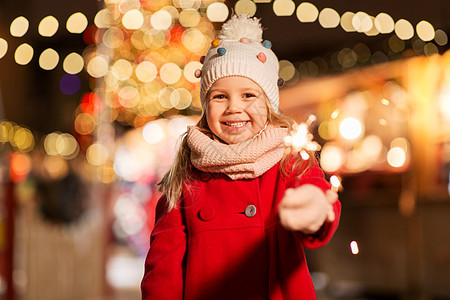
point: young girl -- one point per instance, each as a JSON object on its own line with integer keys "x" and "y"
{"x": 238, "y": 206}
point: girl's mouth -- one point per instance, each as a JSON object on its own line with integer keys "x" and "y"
{"x": 236, "y": 124}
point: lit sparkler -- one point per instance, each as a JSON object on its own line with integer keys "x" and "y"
{"x": 301, "y": 139}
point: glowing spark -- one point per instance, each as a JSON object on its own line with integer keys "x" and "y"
{"x": 382, "y": 122}
{"x": 385, "y": 102}
{"x": 335, "y": 114}
{"x": 301, "y": 140}
{"x": 354, "y": 247}
{"x": 335, "y": 183}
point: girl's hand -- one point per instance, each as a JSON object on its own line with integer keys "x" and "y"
{"x": 306, "y": 208}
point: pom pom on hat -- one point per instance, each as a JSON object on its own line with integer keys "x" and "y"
{"x": 241, "y": 27}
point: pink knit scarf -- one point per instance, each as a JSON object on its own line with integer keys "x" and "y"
{"x": 248, "y": 159}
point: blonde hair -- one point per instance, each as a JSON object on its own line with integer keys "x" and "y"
{"x": 172, "y": 182}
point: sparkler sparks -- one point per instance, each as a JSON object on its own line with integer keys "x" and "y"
{"x": 301, "y": 139}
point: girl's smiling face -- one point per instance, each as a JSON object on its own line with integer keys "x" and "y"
{"x": 236, "y": 109}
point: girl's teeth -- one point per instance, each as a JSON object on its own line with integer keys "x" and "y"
{"x": 236, "y": 124}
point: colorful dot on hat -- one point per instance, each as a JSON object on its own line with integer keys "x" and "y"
{"x": 202, "y": 59}
{"x": 262, "y": 57}
{"x": 244, "y": 40}
{"x": 280, "y": 82}
{"x": 215, "y": 43}
{"x": 267, "y": 44}
{"x": 221, "y": 51}
{"x": 198, "y": 73}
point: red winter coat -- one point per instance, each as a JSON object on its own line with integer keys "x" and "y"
{"x": 226, "y": 241}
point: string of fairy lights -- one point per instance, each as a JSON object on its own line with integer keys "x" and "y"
{"x": 145, "y": 54}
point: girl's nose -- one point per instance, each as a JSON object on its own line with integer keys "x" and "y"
{"x": 234, "y": 105}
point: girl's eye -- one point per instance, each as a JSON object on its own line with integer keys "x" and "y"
{"x": 249, "y": 95}
{"x": 219, "y": 96}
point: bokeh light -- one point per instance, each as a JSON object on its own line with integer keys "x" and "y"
{"x": 122, "y": 69}
{"x": 362, "y": 22}
{"x": 354, "y": 247}
{"x": 246, "y": 7}
{"x": 133, "y": 19}
{"x": 69, "y": 84}
{"x": 283, "y": 7}
{"x": 440, "y": 38}
{"x": 189, "y": 18}
{"x": 73, "y": 63}
{"x": 77, "y": 23}
{"x": 350, "y": 128}
{"x": 19, "y": 26}
{"x": 307, "y": 12}
{"x": 98, "y": 66}
{"x": 49, "y": 59}
{"x": 396, "y": 157}
{"x": 332, "y": 157}
{"x": 20, "y": 166}
{"x": 24, "y": 54}
{"x": 146, "y": 71}
{"x": 181, "y": 98}
{"x": 189, "y": 71}
{"x": 404, "y": 30}
{"x": 56, "y": 167}
{"x": 425, "y": 31}
{"x": 170, "y": 73}
{"x": 23, "y": 140}
{"x": 48, "y": 26}
{"x": 97, "y": 154}
{"x": 384, "y": 23}
{"x": 346, "y": 21}
{"x": 153, "y": 133}
{"x": 84, "y": 124}
{"x": 3, "y": 47}
{"x": 287, "y": 70}
{"x": 161, "y": 20}
{"x": 217, "y": 12}
{"x": 329, "y": 18}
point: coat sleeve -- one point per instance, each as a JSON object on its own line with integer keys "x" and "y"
{"x": 165, "y": 265}
{"x": 314, "y": 175}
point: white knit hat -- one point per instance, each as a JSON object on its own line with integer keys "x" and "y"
{"x": 239, "y": 51}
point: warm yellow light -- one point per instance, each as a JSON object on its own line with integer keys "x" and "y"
{"x": 287, "y": 70}
{"x": 425, "y": 31}
{"x": 347, "y": 58}
{"x": 24, "y": 54}
{"x": 161, "y": 20}
{"x": 102, "y": 18}
{"x": 335, "y": 183}
{"x": 129, "y": 96}
{"x": 181, "y": 98}
{"x": 113, "y": 37}
{"x": 98, "y": 66}
{"x": 127, "y": 5}
{"x": 84, "y": 124}
{"x": 164, "y": 97}
{"x": 146, "y": 71}
{"x": 50, "y": 143}
{"x": 189, "y": 17}
{"x": 122, "y": 69}
{"x": 283, "y": 7}
{"x": 133, "y": 19}
{"x": 362, "y": 22}
{"x": 404, "y": 30}
{"x": 444, "y": 103}
{"x": 67, "y": 146}
{"x": 331, "y": 158}
{"x": 396, "y": 157}
{"x": 329, "y": 18}
{"x": 153, "y": 133}
{"x": 48, "y": 26}
{"x": 97, "y": 154}
{"x": 194, "y": 40}
{"x": 170, "y": 73}
{"x": 76, "y": 23}
{"x": 350, "y": 128}
{"x": 217, "y": 12}
{"x": 189, "y": 71}
{"x": 354, "y": 247}
{"x": 440, "y": 38}
{"x": 19, "y": 26}
{"x": 396, "y": 44}
{"x": 373, "y": 31}
{"x": 346, "y": 21}
{"x": 307, "y": 12}
{"x": 384, "y": 23}
{"x": 23, "y": 140}
{"x": 73, "y": 63}
{"x": 246, "y": 7}
{"x": 3, "y": 47}
{"x": 49, "y": 59}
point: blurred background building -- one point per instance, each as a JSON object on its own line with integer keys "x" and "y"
{"x": 94, "y": 94}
